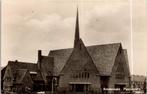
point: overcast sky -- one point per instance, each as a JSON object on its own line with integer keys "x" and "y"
{"x": 29, "y": 25}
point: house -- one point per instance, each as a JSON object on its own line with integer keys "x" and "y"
{"x": 138, "y": 81}
{"x": 26, "y": 77}
{"x": 78, "y": 69}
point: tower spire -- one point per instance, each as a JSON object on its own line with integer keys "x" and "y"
{"x": 77, "y": 34}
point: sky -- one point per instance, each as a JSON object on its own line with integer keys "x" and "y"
{"x": 31, "y": 25}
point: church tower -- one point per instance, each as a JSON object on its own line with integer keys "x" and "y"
{"x": 77, "y": 34}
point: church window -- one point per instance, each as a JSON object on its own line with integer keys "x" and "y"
{"x": 79, "y": 75}
{"x": 87, "y": 75}
{"x": 83, "y": 74}
{"x": 76, "y": 76}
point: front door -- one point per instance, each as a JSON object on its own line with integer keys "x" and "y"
{"x": 80, "y": 87}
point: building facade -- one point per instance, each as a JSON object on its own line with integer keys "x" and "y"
{"x": 139, "y": 82}
{"x": 79, "y": 69}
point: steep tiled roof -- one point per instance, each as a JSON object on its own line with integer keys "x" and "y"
{"x": 60, "y": 58}
{"x": 47, "y": 63}
{"x": 46, "y": 66}
{"x": 22, "y": 65}
{"x": 3, "y": 72}
{"x": 103, "y": 57}
{"x": 19, "y": 69}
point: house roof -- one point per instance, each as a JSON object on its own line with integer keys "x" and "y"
{"x": 60, "y": 58}
{"x": 15, "y": 65}
{"x": 103, "y": 57}
{"x": 47, "y": 63}
{"x": 19, "y": 70}
{"x": 138, "y": 78}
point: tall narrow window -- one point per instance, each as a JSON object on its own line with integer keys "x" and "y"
{"x": 80, "y": 46}
{"x": 87, "y": 75}
{"x": 79, "y": 75}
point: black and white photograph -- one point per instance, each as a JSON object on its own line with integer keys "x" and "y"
{"x": 73, "y": 47}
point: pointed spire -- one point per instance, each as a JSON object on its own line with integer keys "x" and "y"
{"x": 77, "y": 35}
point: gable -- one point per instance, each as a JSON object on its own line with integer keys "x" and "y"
{"x": 8, "y": 73}
{"x": 78, "y": 59}
{"x": 103, "y": 57}
{"x": 121, "y": 63}
{"x": 19, "y": 75}
{"x": 27, "y": 80}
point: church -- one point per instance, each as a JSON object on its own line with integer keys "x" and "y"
{"x": 85, "y": 69}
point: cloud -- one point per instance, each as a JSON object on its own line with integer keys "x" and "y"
{"x": 29, "y": 30}
{"x": 29, "y": 26}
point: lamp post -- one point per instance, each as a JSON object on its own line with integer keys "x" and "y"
{"x": 53, "y": 85}
{"x": 145, "y": 86}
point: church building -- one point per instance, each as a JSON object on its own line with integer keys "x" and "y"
{"x": 79, "y": 69}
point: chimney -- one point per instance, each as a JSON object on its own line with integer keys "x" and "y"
{"x": 39, "y": 59}
{"x": 16, "y": 61}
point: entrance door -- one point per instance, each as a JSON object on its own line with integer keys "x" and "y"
{"x": 80, "y": 87}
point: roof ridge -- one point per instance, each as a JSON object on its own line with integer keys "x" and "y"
{"x": 61, "y": 49}
{"x": 20, "y": 62}
{"x": 87, "y": 46}
{"x": 104, "y": 44}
